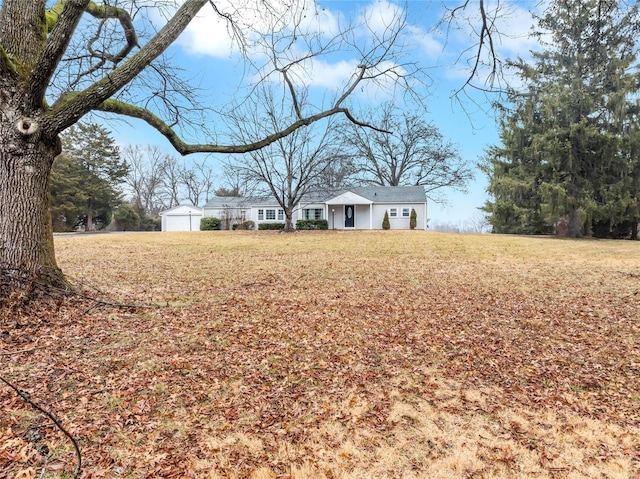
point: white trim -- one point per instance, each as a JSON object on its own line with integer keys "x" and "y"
{"x": 349, "y": 198}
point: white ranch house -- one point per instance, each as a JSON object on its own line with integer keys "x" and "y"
{"x": 354, "y": 208}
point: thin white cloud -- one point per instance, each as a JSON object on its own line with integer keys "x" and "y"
{"x": 380, "y": 16}
{"x": 211, "y": 34}
{"x": 320, "y": 73}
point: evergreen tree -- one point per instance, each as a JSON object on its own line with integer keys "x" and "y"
{"x": 566, "y": 153}
{"x": 385, "y": 221}
{"x": 86, "y": 179}
{"x": 68, "y": 198}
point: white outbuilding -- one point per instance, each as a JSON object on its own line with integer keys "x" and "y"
{"x": 181, "y": 218}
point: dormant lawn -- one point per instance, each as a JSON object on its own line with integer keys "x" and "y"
{"x": 331, "y": 355}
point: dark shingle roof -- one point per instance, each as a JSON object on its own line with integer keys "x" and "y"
{"x": 377, "y": 194}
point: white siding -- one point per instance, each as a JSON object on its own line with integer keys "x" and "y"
{"x": 178, "y": 218}
{"x": 399, "y": 223}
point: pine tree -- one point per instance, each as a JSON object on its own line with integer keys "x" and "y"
{"x": 86, "y": 179}
{"x": 565, "y": 152}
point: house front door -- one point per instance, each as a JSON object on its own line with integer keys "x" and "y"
{"x": 349, "y": 213}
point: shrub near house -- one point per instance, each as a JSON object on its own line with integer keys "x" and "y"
{"x": 385, "y": 222}
{"x": 209, "y": 223}
{"x": 312, "y": 225}
{"x": 271, "y": 226}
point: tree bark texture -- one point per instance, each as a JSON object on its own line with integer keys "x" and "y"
{"x": 27, "y": 150}
{"x": 574, "y": 226}
{"x": 26, "y": 238}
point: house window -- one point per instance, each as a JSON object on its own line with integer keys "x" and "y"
{"x": 312, "y": 213}
{"x": 405, "y": 212}
{"x": 271, "y": 214}
{"x": 393, "y": 212}
{"x": 280, "y": 215}
{"x": 260, "y": 215}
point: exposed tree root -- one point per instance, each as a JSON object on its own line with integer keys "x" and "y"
{"x": 28, "y": 296}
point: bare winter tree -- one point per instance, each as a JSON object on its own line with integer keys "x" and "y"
{"x": 145, "y": 179}
{"x": 197, "y": 181}
{"x": 158, "y": 181}
{"x": 233, "y": 184}
{"x": 171, "y": 192}
{"x": 340, "y": 172}
{"x": 61, "y": 63}
{"x": 415, "y": 153}
{"x": 289, "y": 167}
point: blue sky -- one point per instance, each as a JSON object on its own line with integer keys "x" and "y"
{"x": 206, "y": 52}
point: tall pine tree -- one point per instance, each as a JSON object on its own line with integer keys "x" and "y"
{"x": 86, "y": 179}
{"x": 568, "y": 152}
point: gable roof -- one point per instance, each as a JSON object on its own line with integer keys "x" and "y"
{"x": 392, "y": 194}
{"x": 182, "y": 210}
{"x": 230, "y": 202}
{"x": 374, "y": 194}
{"x": 348, "y": 198}
{"x": 349, "y": 195}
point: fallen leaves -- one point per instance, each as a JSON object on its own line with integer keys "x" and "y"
{"x": 336, "y": 355}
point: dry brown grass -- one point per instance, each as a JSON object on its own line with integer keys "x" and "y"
{"x": 336, "y": 355}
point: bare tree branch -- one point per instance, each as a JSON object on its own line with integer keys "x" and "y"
{"x": 114, "y": 106}
{"x": 54, "y": 49}
{"x": 68, "y": 110}
{"x": 27, "y": 398}
{"x": 485, "y": 33}
{"x": 105, "y": 12}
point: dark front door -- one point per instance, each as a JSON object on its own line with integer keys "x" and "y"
{"x": 349, "y": 213}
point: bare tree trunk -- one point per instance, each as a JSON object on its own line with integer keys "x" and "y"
{"x": 574, "y": 227}
{"x": 288, "y": 220}
{"x": 26, "y": 240}
{"x": 89, "y": 224}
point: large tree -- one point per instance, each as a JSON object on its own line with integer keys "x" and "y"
{"x": 99, "y": 172}
{"x": 288, "y": 168}
{"x": 407, "y": 150}
{"x": 568, "y": 136}
{"x": 58, "y": 64}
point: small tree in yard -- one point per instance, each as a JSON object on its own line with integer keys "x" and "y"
{"x": 413, "y": 219}
{"x": 385, "y": 221}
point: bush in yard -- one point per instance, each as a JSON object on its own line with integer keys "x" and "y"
{"x": 209, "y": 223}
{"x": 150, "y": 224}
{"x": 413, "y": 219}
{"x": 126, "y": 218}
{"x": 312, "y": 225}
{"x": 385, "y": 222}
{"x": 245, "y": 225}
{"x": 271, "y": 226}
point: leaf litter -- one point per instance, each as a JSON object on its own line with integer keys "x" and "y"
{"x": 333, "y": 355}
